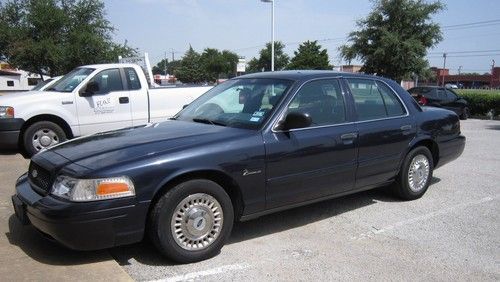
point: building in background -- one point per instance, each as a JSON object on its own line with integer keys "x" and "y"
{"x": 350, "y": 68}
{"x": 12, "y": 79}
{"x": 491, "y": 80}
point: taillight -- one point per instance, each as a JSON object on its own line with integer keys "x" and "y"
{"x": 422, "y": 101}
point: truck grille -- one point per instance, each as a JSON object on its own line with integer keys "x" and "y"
{"x": 40, "y": 179}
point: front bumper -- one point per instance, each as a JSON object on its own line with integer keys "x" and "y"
{"x": 81, "y": 226}
{"x": 10, "y": 129}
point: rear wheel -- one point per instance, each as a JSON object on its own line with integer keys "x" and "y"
{"x": 465, "y": 113}
{"x": 415, "y": 174}
{"x": 192, "y": 221}
{"x": 42, "y": 135}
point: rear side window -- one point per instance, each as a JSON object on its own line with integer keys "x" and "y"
{"x": 441, "y": 94}
{"x": 374, "y": 100}
{"x": 132, "y": 79}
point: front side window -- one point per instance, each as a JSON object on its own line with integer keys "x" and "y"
{"x": 241, "y": 103}
{"x": 322, "y": 100}
{"x": 108, "y": 81}
{"x": 374, "y": 100}
{"x": 450, "y": 95}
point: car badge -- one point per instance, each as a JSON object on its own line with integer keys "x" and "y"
{"x": 34, "y": 173}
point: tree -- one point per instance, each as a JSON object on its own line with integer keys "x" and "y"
{"x": 159, "y": 68}
{"x": 212, "y": 63}
{"x": 264, "y": 61}
{"x": 393, "y": 39}
{"x": 55, "y": 36}
{"x": 190, "y": 69}
{"x": 309, "y": 56}
{"x": 230, "y": 60}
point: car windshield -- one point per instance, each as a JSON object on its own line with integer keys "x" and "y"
{"x": 71, "y": 80}
{"x": 41, "y": 84}
{"x": 240, "y": 103}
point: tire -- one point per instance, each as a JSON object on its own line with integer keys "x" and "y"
{"x": 169, "y": 215}
{"x": 465, "y": 114}
{"x": 413, "y": 185}
{"x": 42, "y": 135}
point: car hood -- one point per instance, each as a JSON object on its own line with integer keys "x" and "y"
{"x": 109, "y": 148}
{"x": 15, "y": 98}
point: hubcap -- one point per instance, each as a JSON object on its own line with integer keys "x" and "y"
{"x": 418, "y": 173}
{"x": 44, "y": 138}
{"x": 197, "y": 222}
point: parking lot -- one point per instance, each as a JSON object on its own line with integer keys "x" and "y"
{"x": 452, "y": 233}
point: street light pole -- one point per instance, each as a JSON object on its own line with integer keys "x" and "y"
{"x": 272, "y": 31}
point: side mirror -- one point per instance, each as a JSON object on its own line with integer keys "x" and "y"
{"x": 183, "y": 107}
{"x": 89, "y": 90}
{"x": 295, "y": 120}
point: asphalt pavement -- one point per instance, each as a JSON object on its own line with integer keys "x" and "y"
{"x": 452, "y": 233}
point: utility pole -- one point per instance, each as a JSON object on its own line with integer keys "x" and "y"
{"x": 165, "y": 64}
{"x": 492, "y": 69}
{"x": 173, "y": 58}
{"x": 444, "y": 66}
{"x": 459, "y": 70}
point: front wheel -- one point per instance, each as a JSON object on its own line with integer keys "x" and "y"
{"x": 42, "y": 135}
{"x": 192, "y": 221}
{"x": 415, "y": 175}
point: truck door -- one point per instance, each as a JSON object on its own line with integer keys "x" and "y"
{"x": 107, "y": 106}
{"x": 138, "y": 97}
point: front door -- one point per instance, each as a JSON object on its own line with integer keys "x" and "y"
{"x": 108, "y": 108}
{"x": 385, "y": 130}
{"x": 317, "y": 161}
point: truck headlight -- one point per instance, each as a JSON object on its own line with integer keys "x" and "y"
{"x": 6, "y": 112}
{"x": 84, "y": 190}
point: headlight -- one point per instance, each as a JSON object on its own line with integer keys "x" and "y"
{"x": 6, "y": 112}
{"x": 84, "y": 190}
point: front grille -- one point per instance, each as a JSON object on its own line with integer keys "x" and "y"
{"x": 40, "y": 178}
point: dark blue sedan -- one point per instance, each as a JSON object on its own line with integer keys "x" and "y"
{"x": 253, "y": 145}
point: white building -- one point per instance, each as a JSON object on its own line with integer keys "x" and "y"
{"x": 17, "y": 80}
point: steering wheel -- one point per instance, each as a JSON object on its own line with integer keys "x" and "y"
{"x": 209, "y": 109}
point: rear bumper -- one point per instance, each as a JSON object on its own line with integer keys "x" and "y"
{"x": 81, "y": 226}
{"x": 10, "y": 129}
{"x": 450, "y": 150}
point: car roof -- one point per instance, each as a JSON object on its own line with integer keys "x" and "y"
{"x": 305, "y": 74}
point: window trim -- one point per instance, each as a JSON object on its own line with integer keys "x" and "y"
{"x": 284, "y": 108}
{"x": 407, "y": 112}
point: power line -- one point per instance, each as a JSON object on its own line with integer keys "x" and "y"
{"x": 470, "y": 24}
{"x": 466, "y": 56}
{"x": 463, "y": 52}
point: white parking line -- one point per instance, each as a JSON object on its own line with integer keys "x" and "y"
{"x": 204, "y": 273}
{"x": 371, "y": 233}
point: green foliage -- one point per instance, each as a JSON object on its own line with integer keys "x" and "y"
{"x": 309, "y": 56}
{"x": 171, "y": 67}
{"x": 393, "y": 39}
{"x": 481, "y": 101}
{"x": 264, "y": 61}
{"x": 55, "y": 36}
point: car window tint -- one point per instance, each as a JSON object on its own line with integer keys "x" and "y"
{"x": 441, "y": 94}
{"x": 450, "y": 95}
{"x": 322, "y": 100}
{"x": 392, "y": 103}
{"x": 108, "y": 81}
{"x": 367, "y": 99}
{"x": 132, "y": 79}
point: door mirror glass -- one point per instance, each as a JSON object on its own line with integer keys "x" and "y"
{"x": 295, "y": 120}
{"x": 89, "y": 90}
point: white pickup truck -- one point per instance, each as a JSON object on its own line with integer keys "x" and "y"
{"x": 87, "y": 100}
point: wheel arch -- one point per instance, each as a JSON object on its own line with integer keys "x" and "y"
{"x": 46, "y": 117}
{"x": 431, "y": 145}
{"x": 221, "y": 178}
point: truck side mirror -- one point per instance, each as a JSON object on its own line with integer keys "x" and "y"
{"x": 89, "y": 90}
{"x": 295, "y": 120}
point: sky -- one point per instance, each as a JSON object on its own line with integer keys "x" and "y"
{"x": 244, "y": 26}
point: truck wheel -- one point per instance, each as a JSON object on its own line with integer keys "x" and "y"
{"x": 465, "y": 114}
{"x": 415, "y": 175}
{"x": 192, "y": 221}
{"x": 42, "y": 135}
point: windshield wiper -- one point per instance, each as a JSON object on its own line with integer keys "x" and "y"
{"x": 208, "y": 121}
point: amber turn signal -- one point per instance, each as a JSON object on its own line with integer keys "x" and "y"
{"x": 111, "y": 188}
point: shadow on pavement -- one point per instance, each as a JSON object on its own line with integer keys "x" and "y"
{"x": 45, "y": 251}
{"x": 493, "y": 127}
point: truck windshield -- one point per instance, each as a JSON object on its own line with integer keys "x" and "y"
{"x": 71, "y": 80}
{"x": 241, "y": 103}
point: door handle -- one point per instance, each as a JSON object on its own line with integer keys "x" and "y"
{"x": 123, "y": 100}
{"x": 349, "y": 136}
{"x": 405, "y": 127}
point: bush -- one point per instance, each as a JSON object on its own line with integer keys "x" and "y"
{"x": 481, "y": 101}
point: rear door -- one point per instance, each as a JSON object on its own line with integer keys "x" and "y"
{"x": 317, "y": 161}
{"x": 108, "y": 108}
{"x": 385, "y": 130}
{"x": 138, "y": 95}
